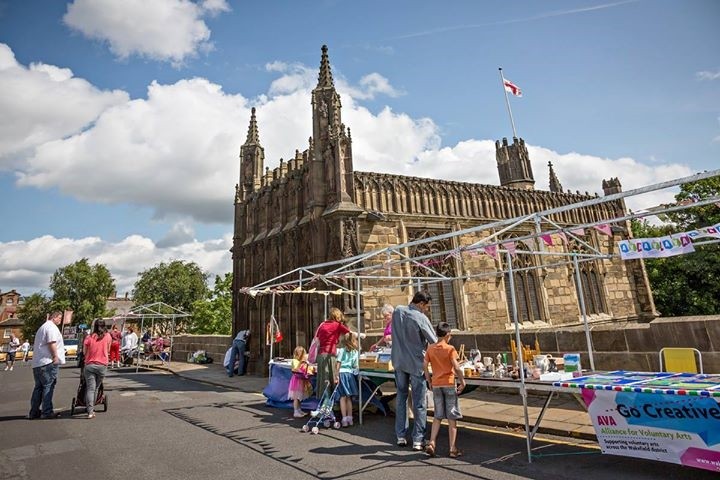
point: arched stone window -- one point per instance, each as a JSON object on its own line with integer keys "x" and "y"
{"x": 592, "y": 288}
{"x": 527, "y": 289}
{"x": 443, "y": 305}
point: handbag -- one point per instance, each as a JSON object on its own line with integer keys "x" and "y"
{"x": 313, "y": 350}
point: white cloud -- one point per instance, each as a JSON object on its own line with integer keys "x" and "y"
{"x": 707, "y": 75}
{"x": 43, "y": 102}
{"x": 28, "y": 266}
{"x": 165, "y": 30}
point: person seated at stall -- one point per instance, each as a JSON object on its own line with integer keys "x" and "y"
{"x": 387, "y": 313}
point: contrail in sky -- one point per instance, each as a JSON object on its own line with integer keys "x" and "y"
{"x": 517, "y": 20}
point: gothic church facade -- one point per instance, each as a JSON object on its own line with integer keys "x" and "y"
{"x": 316, "y": 208}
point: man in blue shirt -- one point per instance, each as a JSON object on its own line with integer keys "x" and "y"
{"x": 237, "y": 351}
{"x": 412, "y": 332}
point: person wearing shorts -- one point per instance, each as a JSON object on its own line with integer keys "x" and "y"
{"x": 443, "y": 359}
{"x": 12, "y": 350}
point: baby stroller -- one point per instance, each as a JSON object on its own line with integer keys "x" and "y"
{"x": 79, "y": 399}
{"x": 324, "y": 414}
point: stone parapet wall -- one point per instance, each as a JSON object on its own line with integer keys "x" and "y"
{"x": 619, "y": 346}
{"x": 214, "y": 345}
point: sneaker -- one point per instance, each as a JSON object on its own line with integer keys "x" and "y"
{"x": 344, "y": 422}
{"x": 349, "y": 421}
{"x": 7, "y": 368}
{"x": 401, "y": 442}
{"x": 11, "y": 368}
{"x": 91, "y": 415}
{"x": 418, "y": 446}
{"x": 299, "y": 414}
{"x": 50, "y": 416}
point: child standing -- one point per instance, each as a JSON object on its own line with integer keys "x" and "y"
{"x": 300, "y": 387}
{"x": 347, "y": 366}
{"x": 444, "y": 361}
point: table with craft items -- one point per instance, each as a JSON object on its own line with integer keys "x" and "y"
{"x": 670, "y": 417}
{"x": 276, "y": 390}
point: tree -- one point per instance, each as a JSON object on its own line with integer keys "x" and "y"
{"x": 178, "y": 283}
{"x": 686, "y": 284}
{"x": 33, "y": 312}
{"x": 82, "y": 288}
{"x": 214, "y": 314}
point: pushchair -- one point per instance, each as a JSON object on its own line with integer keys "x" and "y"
{"x": 79, "y": 400}
{"x": 324, "y": 415}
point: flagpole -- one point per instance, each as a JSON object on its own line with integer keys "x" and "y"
{"x": 507, "y": 102}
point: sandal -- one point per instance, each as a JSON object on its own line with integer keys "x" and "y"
{"x": 456, "y": 453}
{"x": 430, "y": 450}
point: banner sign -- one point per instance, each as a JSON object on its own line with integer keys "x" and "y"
{"x": 678, "y": 429}
{"x": 713, "y": 231}
{"x": 658, "y": 247}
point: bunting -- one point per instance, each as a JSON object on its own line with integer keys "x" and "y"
{"x": 510, "y": 247}
{"x": 491, "y": 250}
{"x": 547, "y": 239}
{"x": 604, "y": 228}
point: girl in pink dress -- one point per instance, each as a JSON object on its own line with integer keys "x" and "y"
{"x": 300, "y": 387}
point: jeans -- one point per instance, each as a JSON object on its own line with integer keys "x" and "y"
{"x": 403, "y": 380}
{"x": 45, "y": 380}
{"x": 94, "y": 375}
{"x": 238, "y": 350}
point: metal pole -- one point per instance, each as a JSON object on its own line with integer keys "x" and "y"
{"x": 360, "y": 331}
{"x": 507, "y": 102}
{"x": 581, "y": 296}
{"x": 272, "y": 328}
{"x": 521, "y": 360}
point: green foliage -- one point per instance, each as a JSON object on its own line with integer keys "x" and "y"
{"x": 82, "y": 288}
{"x": 214, "y": 315}
{"x": 178, "y": 283}
{"x": 33, "y": 312}
{"x": 686, "y": 284}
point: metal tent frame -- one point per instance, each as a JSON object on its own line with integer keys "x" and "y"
{"x": 158, "y": 311}
{"x": 393, "y": 263}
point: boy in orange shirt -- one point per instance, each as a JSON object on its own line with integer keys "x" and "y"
{"x": 444, "y": 361}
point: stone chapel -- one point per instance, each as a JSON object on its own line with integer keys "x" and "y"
{"x": 316, "y": 208}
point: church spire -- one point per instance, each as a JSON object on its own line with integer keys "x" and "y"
{"x": 253, "y": 137}
{"x": 325, "y": 77}
{"x": 555, "y": 185}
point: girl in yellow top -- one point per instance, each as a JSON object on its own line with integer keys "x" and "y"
{"x": 444, "y": 361}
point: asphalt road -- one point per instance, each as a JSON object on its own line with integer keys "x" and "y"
{"x": 160, "y": 427}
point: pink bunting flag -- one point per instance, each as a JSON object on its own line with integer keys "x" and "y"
{"x": 547, "y": 239}
{"x": 529, "y": 243}
{"x": 491, "y": 250}
{"x": 577, "y": 231}
{"x": 563, "y": 237}
{"x": 604, "y": 228}
{"x": 510, "y": 247}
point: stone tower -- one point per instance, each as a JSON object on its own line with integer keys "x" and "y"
{"x": 513, "y": 164}
{"x": 252, "y": 159}
{"x": 331, "y": 167}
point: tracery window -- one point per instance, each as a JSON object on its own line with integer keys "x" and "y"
{"x": 443, "y": 306}
{"x": 590, "y": 277}
{"x": 527, "y": 289}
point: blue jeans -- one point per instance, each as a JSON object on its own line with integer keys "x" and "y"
{"x": 403, "y": 380}
{"x": 94, "y": 375}
{"x": 238, "y": 350}
{"x": 45, "y": 380}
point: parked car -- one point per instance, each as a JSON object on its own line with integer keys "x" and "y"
{"x": 71, "y": 348}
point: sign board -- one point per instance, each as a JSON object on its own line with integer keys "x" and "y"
{"x": 69, "y": 332}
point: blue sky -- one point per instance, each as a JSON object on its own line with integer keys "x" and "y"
{"x": 122, "y": 121}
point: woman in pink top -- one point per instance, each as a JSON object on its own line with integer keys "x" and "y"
{"x": 96, "y": 349}
{"x": 328, "y": 334}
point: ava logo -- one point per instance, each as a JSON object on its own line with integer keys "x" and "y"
{"x": 605, "y": 420}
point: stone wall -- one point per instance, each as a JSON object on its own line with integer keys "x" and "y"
{"x": 617, "y": 346}
{"x": 626, "y": 346}
{"x": 214, "y": 345}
